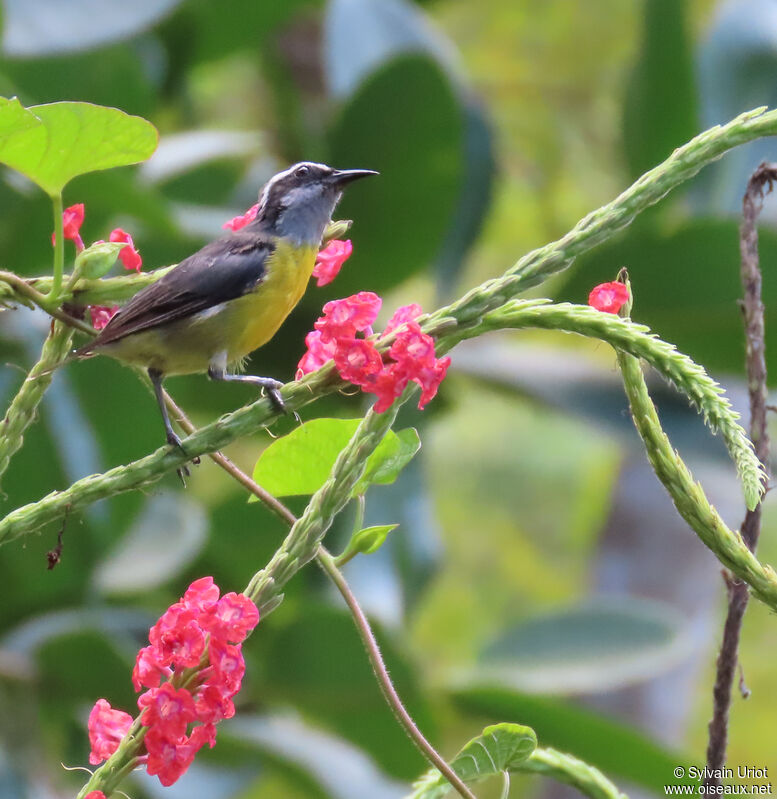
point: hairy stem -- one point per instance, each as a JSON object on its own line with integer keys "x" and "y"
{"x": 24, "y": 406}
{"x": 755, "y": 363}
{"x": 687, "y": 495}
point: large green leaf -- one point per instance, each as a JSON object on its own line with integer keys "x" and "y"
{"x": 301, "y": 461}
{"x": 52, "y": 144}
{"x": 660, "y": 108}
{"x": 406, "y": 121}
{"x": 500, "y": 747}
{"x": 618, "y": 750}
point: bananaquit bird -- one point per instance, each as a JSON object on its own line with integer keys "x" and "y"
{"x": 229, "y": 298}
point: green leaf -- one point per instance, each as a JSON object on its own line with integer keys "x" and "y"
{"x": 498, "y": 748}
{"x": 662, "y": 87}
{"x": 398, "y": 452}
{"x": 618, "y": 750}
{"x": 299, "y": 463}
{"x": 406, "y": 120}
{"x": 52, "y": 144}
{"x": 366, "y": 541}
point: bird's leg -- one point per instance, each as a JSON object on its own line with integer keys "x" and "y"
{"x": 156, "y": 380}
{"x": 267, "y": 383}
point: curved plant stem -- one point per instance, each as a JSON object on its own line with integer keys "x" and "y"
{"x": 574, "y": 772}
{"x": 687, "y": 495}
{"x": 755, "y": 363}
{"x": 387, "y": 687}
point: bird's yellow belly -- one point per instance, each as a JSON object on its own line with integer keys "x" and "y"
{"x": 234, "y": 328}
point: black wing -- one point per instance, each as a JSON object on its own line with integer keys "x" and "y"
{"x": 223, "y": 270}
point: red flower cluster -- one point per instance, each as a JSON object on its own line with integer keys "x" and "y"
{"x": 198, "y": 629}
{"x": 72, "y": 219}
{"x": 330, "y": 260}
{"x": 608, "y": 297}
{"x": 242, "y": 220}
{"x": 358, "y": 361}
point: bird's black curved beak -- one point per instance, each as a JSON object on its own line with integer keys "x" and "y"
{"x": 341, "y": 177}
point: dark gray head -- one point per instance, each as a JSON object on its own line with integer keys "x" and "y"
{"x": 298, "y": 203}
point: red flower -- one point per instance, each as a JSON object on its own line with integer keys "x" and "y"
{"x": 213, "y": 704}
{"x": 178, "y": 638}
{"x": 231, "y": 618}
{"x": 101, "y": 315}
{"x": 405, "y": 313}
{"x": 330, "y": 260}
{"x": 344, "y": 318}
{"x": 317, "y": 354}
{"x": 387, "y": 386}
{"x": 228, "y": 665}
{"x": 72, "y": 219}
{"x": 148, "y": 669}
{"x": 106, "y": 729}
{"x": 169, "y": 758}
{"x": 95, "y": 795}
{"x": 128, "y": 255}
{"x": 168, "y": 709}
{"x": 412, "y": 355}
{"x": 241, "y": 221}
{"x": 201, "y": 595}
{"x": 357, "y": 360}
{"x": 608, "y": 297}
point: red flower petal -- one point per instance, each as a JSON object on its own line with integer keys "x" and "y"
{"x": 608, "y": 297}
{"x": 128, "y": 255}
{"x": 330, "y": 260}
{"x": 106, "y": 729}
{"x": 242, "y": 220}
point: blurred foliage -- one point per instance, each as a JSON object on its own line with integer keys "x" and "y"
{"x": 502, "y": 512}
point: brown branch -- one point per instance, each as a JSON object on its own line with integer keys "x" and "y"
{"x": 753, "y": 312}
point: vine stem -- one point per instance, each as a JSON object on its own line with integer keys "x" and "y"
{"x": 327, "y": 563}
{"x": 755, "y": 363}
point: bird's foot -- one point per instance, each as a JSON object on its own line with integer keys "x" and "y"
{"x": 183, "y": 470}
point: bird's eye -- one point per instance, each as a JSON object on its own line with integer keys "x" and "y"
{"x": 301, "y": 171}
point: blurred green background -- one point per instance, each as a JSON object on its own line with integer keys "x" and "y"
{"x": 539, "y": 574}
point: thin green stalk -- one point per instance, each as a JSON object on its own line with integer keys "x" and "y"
{"x": 301, "y": 544}
{"x": 146, "y": 471}
{"x": 532, "y": 269}
{"x": 565, "y": 768}
{"x": 24, "y": 406}
{"x": 687, "y": 495}
{"x": 59, "y": 248}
